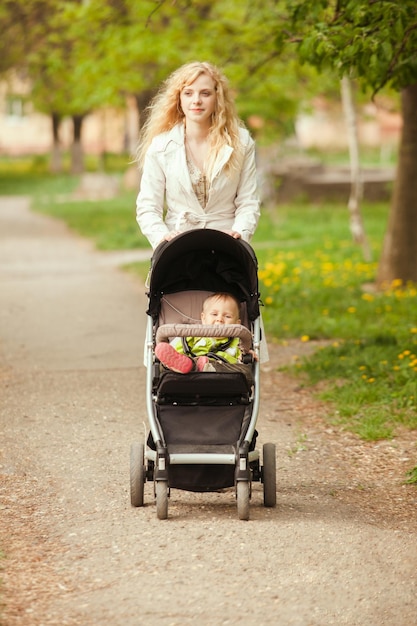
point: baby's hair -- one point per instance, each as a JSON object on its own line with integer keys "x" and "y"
{"x": 222, "y": 295}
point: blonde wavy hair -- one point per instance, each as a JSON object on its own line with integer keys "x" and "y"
{"x": 165, "y": 112}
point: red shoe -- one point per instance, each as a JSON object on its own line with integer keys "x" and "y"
{"x": 201, "y": 363}
{"x": 173, "y": 360}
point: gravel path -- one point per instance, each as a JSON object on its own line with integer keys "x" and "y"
{"x": 340, "y": 548}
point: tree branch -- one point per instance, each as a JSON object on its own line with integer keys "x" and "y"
{"x": 390, "y": 71}
{"x": 152, "y": 13}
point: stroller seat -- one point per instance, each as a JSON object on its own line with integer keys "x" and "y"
{"x": 211, "y": 387}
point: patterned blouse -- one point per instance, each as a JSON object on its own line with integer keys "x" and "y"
{"x": 199, "y": 183}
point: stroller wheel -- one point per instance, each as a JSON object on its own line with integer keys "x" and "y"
{"x": 137, "y": 473}
{"x": 242, "y": 496}
{"x": 161, "y": 493}
{"x": 269, "y": 475}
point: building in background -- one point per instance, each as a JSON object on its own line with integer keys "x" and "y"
{"x": 25, "y": 131}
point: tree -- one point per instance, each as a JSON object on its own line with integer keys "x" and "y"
{"x": 356, "y": 189}
{"x": 375, "y": 42}
{"x": 20, "y": 27}
{"x": 61, "y": 85}
{"x": 84, "y": 55}
{"x": 137, "y": 48}
{"x": 38, "y": 44}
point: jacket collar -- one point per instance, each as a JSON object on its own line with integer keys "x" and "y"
{"x": 177, "y": 135}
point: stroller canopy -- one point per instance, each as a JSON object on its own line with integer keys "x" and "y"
{"x": 208, "y": 260}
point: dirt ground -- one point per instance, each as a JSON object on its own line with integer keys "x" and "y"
{"x": 340, "y": 547}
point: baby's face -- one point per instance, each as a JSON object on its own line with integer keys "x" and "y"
{"x": 220, "y": 311}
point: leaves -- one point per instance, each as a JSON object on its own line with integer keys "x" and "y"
{"x": 82, "y": 56}
{"x": 376, "y": 41}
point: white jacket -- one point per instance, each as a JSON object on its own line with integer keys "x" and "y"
{"x": 233, "y": 202}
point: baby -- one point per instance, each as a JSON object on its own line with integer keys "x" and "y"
{"x": 185, "y": 354}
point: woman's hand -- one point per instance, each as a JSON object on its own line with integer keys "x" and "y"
{"x": 171, "y": 235}
{"x": 255, "y": 356}
{"x": 233, "y": 233}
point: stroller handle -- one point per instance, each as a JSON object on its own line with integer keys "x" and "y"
{"x": 168, "y": 331}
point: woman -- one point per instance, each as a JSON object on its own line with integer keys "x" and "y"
{"x": 198, "y": 158}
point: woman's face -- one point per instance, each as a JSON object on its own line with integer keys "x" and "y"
{"x": 198, "y": 100}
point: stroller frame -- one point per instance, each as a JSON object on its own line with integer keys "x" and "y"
{"x": 162, "y": 459}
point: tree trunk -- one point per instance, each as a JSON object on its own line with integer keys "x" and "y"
{"x": 77, "y": 154}
{"x": 356, "y": 188}
{"x": 399, "y": 254}
{"x": 56, "y": 155}
{"x": 143, "y": 99}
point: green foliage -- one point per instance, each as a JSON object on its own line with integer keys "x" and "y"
{"x": 374, "y": 41}
{"x": 84, "y": 55}
{"x": 81, "y": 56}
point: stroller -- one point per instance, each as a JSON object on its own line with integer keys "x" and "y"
{"x": 202, "y": 425}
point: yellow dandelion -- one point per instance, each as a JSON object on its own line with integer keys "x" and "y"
{"x": 351, "y": 309}
{"x": 305, "y": 338}
{"x": 327, "y": 267}
{"x": 368, "y": 297}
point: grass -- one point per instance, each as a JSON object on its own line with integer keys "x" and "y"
{"x": 412, "y": 476}
{"x": 370, "y": 156}
{"x": 315, "y": 285}
{"x": 109, "y": 223}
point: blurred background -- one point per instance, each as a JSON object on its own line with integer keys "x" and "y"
{"x": 76, "y": 77}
